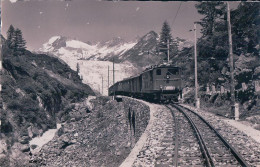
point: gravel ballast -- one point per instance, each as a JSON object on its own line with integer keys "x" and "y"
{"x": 244, "y": 138}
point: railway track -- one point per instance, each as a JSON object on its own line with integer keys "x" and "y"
{"x": 187, "y": 149}
{"x": 197, "y": 143}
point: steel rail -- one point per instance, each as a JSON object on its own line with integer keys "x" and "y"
{"x": 203, "y": 147}
{"x": 176, "y": 146}
{"x": 236, "y": 154}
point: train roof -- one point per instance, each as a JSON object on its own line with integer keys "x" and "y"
{"x": 159, "y": 66}
{"x": 148, "y": 69}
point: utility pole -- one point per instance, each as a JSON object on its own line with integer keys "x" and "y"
{"x": 108, "y": 83}
{"x": 232, "y": 88}
{"x": 102, "y": 84}
{"x": 168, "y": 50}
{"x": 114, "y": 76}
{"x": 197, "y": 100}
{"x": 108, "y": 80}
{"x": 113, "y": 71}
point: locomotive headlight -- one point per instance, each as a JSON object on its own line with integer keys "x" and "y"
{"x": 168, "y": 76}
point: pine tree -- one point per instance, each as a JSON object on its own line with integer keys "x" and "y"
{"x": 10, "y": 37}
{"x": 19, "y": 44}
{"x": 212, "y": 12}
{"x": 165, "y": 35}
{"x": 214, "y": 41}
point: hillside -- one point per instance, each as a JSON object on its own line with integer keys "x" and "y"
{"x": 35, "y": 88}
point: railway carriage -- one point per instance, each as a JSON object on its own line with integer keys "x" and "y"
{"x": 158, "y": 83}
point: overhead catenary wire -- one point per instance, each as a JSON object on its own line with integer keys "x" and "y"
{"x": 176, "y": 14}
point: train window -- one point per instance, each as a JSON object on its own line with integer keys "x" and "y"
{"x": 158, "y": 72}
{"x": 173, "y": 71}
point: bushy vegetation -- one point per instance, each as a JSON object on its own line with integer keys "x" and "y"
{"x": 213, "y": 47}
{"x": 213, "y": 52}
{"x": 35, "y": 88}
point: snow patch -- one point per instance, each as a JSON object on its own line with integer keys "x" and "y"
{"x": 53, "y": 39}
{"x": 45, "y": 138}
{"x": 78, "y": 44}
{"x": 87, "y": 51}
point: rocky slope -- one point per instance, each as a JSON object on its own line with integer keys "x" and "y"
{"x": 144, "y": 53}
{"x": 35, "y": 88}
{"x": 97, "y": 134}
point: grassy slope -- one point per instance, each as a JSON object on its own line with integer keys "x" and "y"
{"x": 35, "y": 88}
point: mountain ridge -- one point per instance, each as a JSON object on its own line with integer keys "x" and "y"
{"x": 130, "y": 58}
{"x": 116, "y": 48}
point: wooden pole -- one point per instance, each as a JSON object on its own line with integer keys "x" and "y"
{"x": 113, "y": 71}
{"x": 108, "y": 80}
{"x": 168, "y": 50}
{"x": 102, "y": 85}
{"x": 114, "y": 77}
{"x": 195, "y": 61}
{"x": 231, "y": 61}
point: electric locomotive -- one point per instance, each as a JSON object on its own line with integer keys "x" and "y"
{"x": 160, "y": 83}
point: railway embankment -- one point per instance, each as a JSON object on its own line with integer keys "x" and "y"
{"x": 95, "y": 133}
{"x": 244, "y": 138}
{"x": 155, "y": 140}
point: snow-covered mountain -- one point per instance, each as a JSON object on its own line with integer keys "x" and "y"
{"x": 141, "y": 49}
{"x": 61, "y": 46}
{"x": 94, "y": 59}
{"x": 144, "y": 53}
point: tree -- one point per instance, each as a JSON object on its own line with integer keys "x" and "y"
{"x": 246, "y": 30}
{"x": 214, "y": 41}
{"x": 212, "y": 11}
{"x": 213, "y": 45}
{"x": 15, "y": 41}
{"x": 10, "y": 37}
{"x": 165, "y": 35}
{"x": 19, "y": 44}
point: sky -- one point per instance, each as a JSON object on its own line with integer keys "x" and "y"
{"x": 95, "y": 21}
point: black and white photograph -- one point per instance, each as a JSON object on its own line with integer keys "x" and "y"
{"x": 129, "y": 83}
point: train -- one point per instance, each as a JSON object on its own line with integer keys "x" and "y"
{"x": 160, "y": 83}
